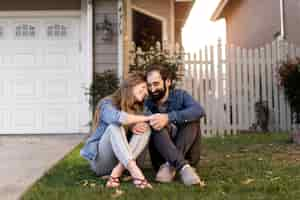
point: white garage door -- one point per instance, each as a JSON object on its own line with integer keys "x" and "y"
{"x": 41, "y": 78}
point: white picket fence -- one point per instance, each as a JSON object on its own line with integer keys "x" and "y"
{"x": 228, "y": 80}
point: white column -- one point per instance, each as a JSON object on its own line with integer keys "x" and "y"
{"x": 120, "y": 39}
{"x": 282, "y": 20}
{"x": 87, "y": 57}
{"x": 172, "y": 25}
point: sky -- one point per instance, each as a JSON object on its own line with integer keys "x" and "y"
{"x": 199, "y": 30}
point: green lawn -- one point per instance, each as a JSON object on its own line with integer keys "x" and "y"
{"x": 257, "y": 166}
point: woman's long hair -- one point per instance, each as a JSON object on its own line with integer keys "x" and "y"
{"x": 123, "y": 97}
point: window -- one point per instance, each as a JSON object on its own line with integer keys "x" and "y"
{"x": 146, "y": 28}
{"x": 25, "y": 31}
{"x": 57, "y": 31}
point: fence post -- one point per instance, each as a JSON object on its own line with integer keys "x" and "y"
{"x": 207, "y": 96}
{"x": 228, "y": 91}
{"x": 233, "y": 88}
{"x": 269, "y": 85}
{"x": 282, "y": 108}
{"x": 220, "y": 91}
{"x": 251, "y": 87}
{"x": 275, "y": 85}
{"x": 245, "y": 89}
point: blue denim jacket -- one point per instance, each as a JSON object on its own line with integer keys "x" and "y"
{"x": 181, "y": 107}
{"x": 109, "y": 114}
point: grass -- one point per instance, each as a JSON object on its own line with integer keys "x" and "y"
{"x": 248, "y": 166}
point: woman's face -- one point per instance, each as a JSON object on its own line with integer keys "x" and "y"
{"x": 140, "y": 91}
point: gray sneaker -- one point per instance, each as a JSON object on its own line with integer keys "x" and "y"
{"x": 189, "y": 176}
{"x": 165, "y": 174}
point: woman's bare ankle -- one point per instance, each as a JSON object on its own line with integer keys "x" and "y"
{"x": 117, "y": 171}
{"x": 134, "y": 170}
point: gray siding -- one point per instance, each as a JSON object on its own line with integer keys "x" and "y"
{"x": 106, "y": 52}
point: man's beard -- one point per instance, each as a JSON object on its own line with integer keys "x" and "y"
{"x": 158, "y": 94}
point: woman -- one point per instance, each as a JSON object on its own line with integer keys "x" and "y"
{"x": 108, "y": 149}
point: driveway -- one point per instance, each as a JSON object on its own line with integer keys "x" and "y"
{"x": 24, "y": 159}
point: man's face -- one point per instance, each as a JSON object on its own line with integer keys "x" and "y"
{"x": 156, "y": 86}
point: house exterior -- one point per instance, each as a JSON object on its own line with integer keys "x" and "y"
{"x": 253, "y": 23}
{"x": 50, "y": 50}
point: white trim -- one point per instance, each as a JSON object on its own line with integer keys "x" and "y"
{"x": 41, "y": 13}
{"x": 129, "y": 21}
{"x": 172, "y": 24}
{"x": 282, "y": 20}
{"x": 86, "y": 50}
{"x": 219, "y": 10}
{"x": 120, "y": 39}
{"x": 158, "y": 17}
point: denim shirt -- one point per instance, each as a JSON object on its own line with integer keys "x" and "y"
{"x": 181, "y": 107}
{"x": 109, "y": 114}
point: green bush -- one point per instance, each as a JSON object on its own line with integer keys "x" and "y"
{"x": 289, "y": 79}
{"x": 104, "y": 84}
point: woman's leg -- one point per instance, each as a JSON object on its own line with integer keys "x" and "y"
{"x": 114, "y": 147}
{"x": 127, "y": 155}
{"x": 106, "y": 159}
{"x": 137, "y": 144}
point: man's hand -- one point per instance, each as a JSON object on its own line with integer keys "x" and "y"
{"x": 140, "y": 128}
{"x": 159, "y": 121}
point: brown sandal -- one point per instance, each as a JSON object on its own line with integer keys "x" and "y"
{"x": 113, "y": 182}
{"x": 141, "y": 183}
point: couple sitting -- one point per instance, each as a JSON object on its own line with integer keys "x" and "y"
{"x": 168, "y": 119}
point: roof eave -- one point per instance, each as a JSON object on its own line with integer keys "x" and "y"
{"x": 217, "y": 14}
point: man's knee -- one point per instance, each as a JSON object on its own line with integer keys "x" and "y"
{"x": 160, "y": 132}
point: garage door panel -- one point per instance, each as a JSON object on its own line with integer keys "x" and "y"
{"x": 25, "y": 88}
{"x": 59, "y": 57}
{"x": 24, "y": 118}
{"x": 1, "y": 89}
{"x": 2, "y": 118}
{"x": 56, "y": 58}
{"x": 56, "y": 118}
{"x": 62, "y": 118}
{"x": 57, "y": 89}
{"x": 21, "y": 58}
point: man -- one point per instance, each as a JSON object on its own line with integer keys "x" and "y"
{"x": 175, "y": 140}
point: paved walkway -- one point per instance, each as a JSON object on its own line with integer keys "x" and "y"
{"x": 24, "y": 159}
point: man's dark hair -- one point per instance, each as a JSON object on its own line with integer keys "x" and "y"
{"x": 163, "y": 71}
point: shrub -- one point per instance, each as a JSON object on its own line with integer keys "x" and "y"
{"x": 104, "y": 84}
{"x": 289, "y": 79}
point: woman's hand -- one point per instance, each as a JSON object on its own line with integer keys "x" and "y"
{"x": 159, "y": 121}
{"x": 140, "y": 128}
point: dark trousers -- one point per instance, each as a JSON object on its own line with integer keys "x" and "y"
{"x": 183, "y": 148}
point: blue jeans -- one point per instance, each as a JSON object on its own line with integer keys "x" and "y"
{"x": 179, "y": 148}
